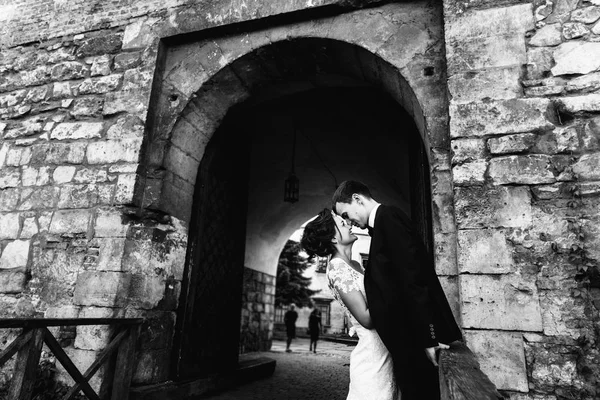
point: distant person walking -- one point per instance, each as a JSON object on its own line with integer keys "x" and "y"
{"x": 289, "y": 319}
{"x": 314, "y": 328}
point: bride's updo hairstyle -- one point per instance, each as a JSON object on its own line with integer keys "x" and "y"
{"x": 316, "y": 239}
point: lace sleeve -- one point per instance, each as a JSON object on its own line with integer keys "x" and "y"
{"x": 342, "y": 280}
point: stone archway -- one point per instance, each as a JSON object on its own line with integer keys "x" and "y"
{"x": 204, "y": 78}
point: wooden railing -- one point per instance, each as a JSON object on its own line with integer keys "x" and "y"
{"x": 461, "y": 378}
{"x": 35, "y": 333}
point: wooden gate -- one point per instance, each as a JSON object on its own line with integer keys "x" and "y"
{"x": 208, "y": 330}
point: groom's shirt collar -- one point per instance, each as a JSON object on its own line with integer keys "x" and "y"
{"x": 371, "y": 222}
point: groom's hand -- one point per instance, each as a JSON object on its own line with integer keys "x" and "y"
{"x": 431, "y": 352}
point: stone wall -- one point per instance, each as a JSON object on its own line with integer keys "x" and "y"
{"x": 258, "y": 311}
{"x": 524, "y": 135}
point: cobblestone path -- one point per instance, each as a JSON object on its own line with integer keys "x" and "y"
{"x": 299, "y": 375}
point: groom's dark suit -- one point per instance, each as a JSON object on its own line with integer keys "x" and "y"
{"x": 406, "y": 301}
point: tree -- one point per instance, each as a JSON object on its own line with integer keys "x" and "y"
{"x": 292, "y": 286}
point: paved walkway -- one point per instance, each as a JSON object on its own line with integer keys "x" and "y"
{"x": 299, "y": 375}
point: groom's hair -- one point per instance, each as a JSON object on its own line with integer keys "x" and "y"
{"x": 344, "y": 192}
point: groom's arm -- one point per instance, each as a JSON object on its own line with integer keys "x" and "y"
{"x": 402, "y": 243}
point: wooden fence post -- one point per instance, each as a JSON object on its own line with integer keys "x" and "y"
{"x": 26, "y": 366}
{"x": 125, "y": 365}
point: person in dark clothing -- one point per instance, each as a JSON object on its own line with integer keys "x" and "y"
{"x": 407, "y": 304}
{"x": 289, "y": 319}
{"x": 314, "y": 328}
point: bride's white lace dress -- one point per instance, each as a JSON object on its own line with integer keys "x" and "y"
{"x": 371, "y": 368}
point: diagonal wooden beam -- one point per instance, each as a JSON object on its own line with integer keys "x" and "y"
{"x": 15, "y": 346}
{"x": 66, "y": 362}
{"x": 108, "y": 350}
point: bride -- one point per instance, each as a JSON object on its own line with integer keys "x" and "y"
{"x": 371, "y": 368}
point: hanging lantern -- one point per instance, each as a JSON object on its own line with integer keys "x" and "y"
{"x": 291, "y": 190}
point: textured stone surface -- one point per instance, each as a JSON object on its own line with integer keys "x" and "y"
{"x": 501, "y": 356}
{"x": 503, "y": 302}
{"x": 576, "y": 58}
{"x": 511, "y": 143}
{"x": 478, "y": 207}
{"x": 532, "y": 169}
{"x": 549, "y": 35}
{"x": 15, "y": 255}
{"x": 470, "y": 173}
{"x": 77, "y": 130}
{"x": 102, "y": 289}
{"x": 9, "y": 226}
{"x": 484, "y": 251}
{"x": 498, "y": 117}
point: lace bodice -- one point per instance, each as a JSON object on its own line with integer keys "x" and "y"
{"x": 345, "y": 279}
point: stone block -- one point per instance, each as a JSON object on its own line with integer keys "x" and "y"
{"x": 470, "y": 173}
{"x": 501, "y": 356}
{"x": 101, "y": 85}
{"x": 495, "y": 84}
{"x": 126, "y": 127}
{"x": 70, "y": 221}
{"x": 467, "y": 150}
{"x": 87, "y": 107}
{"x": 9, "y": 199}
{"x": 101, "y": 65}
{"x": 591, "y": 134}
{"x": 576, "y": 57}
{"x": 10, "y": 177}
{"x": 15, "y": 255}
{"x": 450, "y": 287}
{"x": 491, "y": 22}
{"x": 528, "y": 170}
{"x": 502, "y": 302}
{"x": 102, "y": 289}
{"x": 567, "y": 139}
{"x": 36, "y": 198}
{"x": 34, "y": 225}
{"x": 554, "y": 367}
{"x": 494, "y": 207}
{"x": 63, "y": 174}
{"x": 77, "y": 130}
{"x": 125, "y": 189}
{"x": 560, "y": 314}
{"x": 94, "y": 337}
{"x": 443, "y": 213}
{"x": 573, "y": 30}
{"x": 78, "y": 196}
{"x": 498, "y": 117}
{"x": 588, "y": 82}
{"x": 68, "y": 70}
{"x": 182, "y": 164}
{"x": 548, "y": 35}
{"x": 110, "y": 254}
{"x": 92, "y": 175}
{"x": 35, "y": 176}
{"x": 486, "y": 52}
{"x": 576, "y": 104}
{"x": 9, "y": 226}
{"x": 511, "y": 143}
{"x": 588, "y": 167}
{"x": 12, "y": 281}
{"x": 113, "y": 151}
{"x": 131, "y": 101}
{"x": 59, "y": 153}
{"x": 138, "y": 34}
{"x": 111, "y": 223}
{"x": 484, "y": 251}
{"x": 103, "y": 44}
{"x": 539, "y": 62}
{"x": 189, "y": 137}
{"x": 128, "y": 60}
{"x": 18, "y": 156}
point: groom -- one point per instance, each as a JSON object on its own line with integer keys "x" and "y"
{"x": 406, "y": 301}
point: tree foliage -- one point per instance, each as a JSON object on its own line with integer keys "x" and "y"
{"x": 292, "y": 286}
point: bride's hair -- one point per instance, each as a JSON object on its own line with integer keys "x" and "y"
{"x": 316, "y": 239}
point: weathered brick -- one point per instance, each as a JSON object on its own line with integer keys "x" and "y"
{"x": 484, "y": 251}
{"x": 498, "y": 117}
{"x": 99, "y": 85}
{"x": 531, "y": 169}
{"x": 15, "y": 254}
{"x": 32, "y": 176}
{"x": 77, "y": 130}
{"x": 92, "y": 175}
{"x": 504, "y": 302}
{"x": 104, "y": 44}
{"x": 9, "y": 226}
{"x": 87, "y": 107}
{"x": 59, "y": 153}
{"x": 588, "y": 167}
{"x": 10, "y": 177}
{"x": 102, "y": 289}
{"x": 501, "y": 356}
{"x": 70, "y": 221}
{"x": 18, "y": 156}
{"x": 511, "y": 143}
{"x": 588, "y": 82}
{"x": 112, "y": 151}
{"x": 69, "y": 70}
{"x": 34, "y": 198}
{"x": 470, "y": 173}
{"x": 479, "y": 207}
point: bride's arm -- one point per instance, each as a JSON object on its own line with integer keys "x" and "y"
{"x": 356, "y": 304}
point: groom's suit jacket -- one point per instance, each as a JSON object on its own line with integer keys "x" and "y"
{"x": 406, "y": 301}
